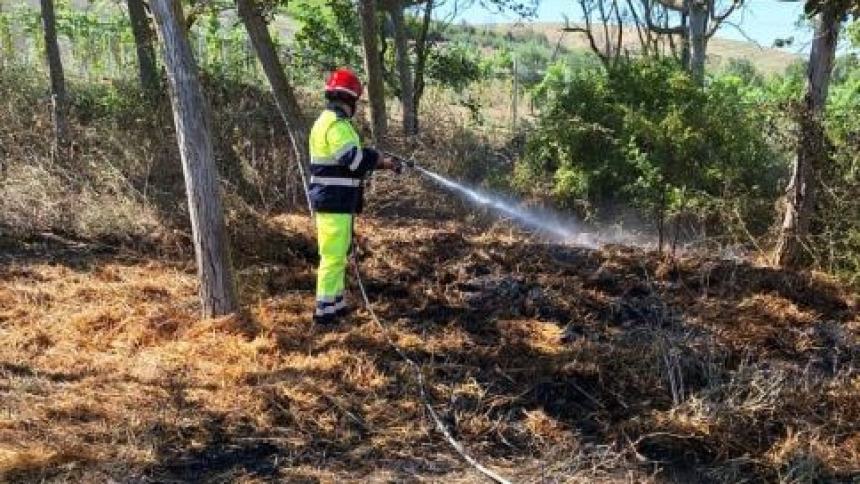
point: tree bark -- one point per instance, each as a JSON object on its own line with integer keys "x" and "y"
{"x": 192, "y": 119}
{"x": 421, "y": 52}
{"x": 404, "y": 71}
{"x": 699, "y": 21}
{"x": 812, "y": 146}
{"x": 143, "y": 42}
{"x": 373, "y": 68}
{"x": 59, "y": 101}
{"x": 685, "y": 41}
{"x": 282, "y": 90}
{"x": 698, "y": 25}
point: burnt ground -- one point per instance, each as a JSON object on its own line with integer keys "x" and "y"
{"x": 550, "y": 363}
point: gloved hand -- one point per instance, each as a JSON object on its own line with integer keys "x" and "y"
{"x": 391, "y": 163}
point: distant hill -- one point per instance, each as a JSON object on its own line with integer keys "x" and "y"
{"x": 767, "y": 60}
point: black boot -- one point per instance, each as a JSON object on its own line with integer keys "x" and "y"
{"x": 344, "y": 312}
{"x": 326, "y": 319}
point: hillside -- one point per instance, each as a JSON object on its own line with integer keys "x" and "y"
{"x": 767, "y": 60}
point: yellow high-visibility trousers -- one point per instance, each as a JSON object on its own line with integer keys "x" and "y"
{"x": 334, "y": 236}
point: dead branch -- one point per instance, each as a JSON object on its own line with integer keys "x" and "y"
{"x": 649, "y": 20}
{"x": 587, "y": 31}
{"x": 718, "y": 19}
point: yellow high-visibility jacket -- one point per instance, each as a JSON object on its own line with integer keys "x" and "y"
{"x": 338, "y": 164}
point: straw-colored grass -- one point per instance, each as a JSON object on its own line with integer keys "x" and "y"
{"x": 550, "y": 363}
{"x": 106, "y": 372}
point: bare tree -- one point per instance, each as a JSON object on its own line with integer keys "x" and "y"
{"x": 283, "y": 91}
{"x": 59, "y": 101}
{"x": 424, "y": 42}
{"x": 812, "y": 146}
{"x": 373, "y": 68}
{"x": 192, "y": 119}
{"x": 604, "y": 42}
{"x": 143, "y": 42}
{"x": 699, "y": 21}
{"x": 649, "y": 43}
{"x": 604, "y": 22}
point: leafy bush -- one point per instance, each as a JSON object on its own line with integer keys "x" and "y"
{"x": 455, "y": 66}
{"x": 854, "y": 33}
{"x": 644, "y": 135}
{"x": 745, "y": 71}
{"x": 532, "y": 60}
{"x": 329, "y": 35}
{"x": 836, "y": 245}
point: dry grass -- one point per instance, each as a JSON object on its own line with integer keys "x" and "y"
{"x": 549, "y": 362}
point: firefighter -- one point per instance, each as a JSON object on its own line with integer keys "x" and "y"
{"x": 338, "y": 167}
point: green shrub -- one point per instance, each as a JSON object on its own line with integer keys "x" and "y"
{"x": 835, "y": 245}
{"x": 532, "y": 60}
{"x": 454, "y": 66}
{"x": 744, "y": 70}
{"x": 644, "y": 135}
{"x": 329, "y": 35}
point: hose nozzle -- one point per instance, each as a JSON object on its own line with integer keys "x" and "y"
{"x": 407, "y": 162}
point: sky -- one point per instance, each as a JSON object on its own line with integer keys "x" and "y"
{"x": 761, "y": 20}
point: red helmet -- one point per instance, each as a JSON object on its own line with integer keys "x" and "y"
{"x": 344, "y": 80}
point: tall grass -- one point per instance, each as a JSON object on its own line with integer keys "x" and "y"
{"x": 122, "y": 179}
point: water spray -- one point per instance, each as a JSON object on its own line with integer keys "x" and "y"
{"x": 545, "y": 222}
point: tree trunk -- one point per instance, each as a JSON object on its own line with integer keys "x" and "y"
{"x": 421, "y": 52}
{"x": 191, "y": 117}
{"x": 382, "y": 33}
{"x": 685, "y": 41}
{"x": 698, "y": 39}
{"x": 811, "y": 149}
{"x": 404, "y": 71}
{"x": 147, "y": 68}
{"x": 373, "y": 68}
{"x": 59, "y": 101}
{"x": 285, "y": 96}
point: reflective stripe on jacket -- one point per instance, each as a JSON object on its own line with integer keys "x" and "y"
{"x": 338, "y": 164}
